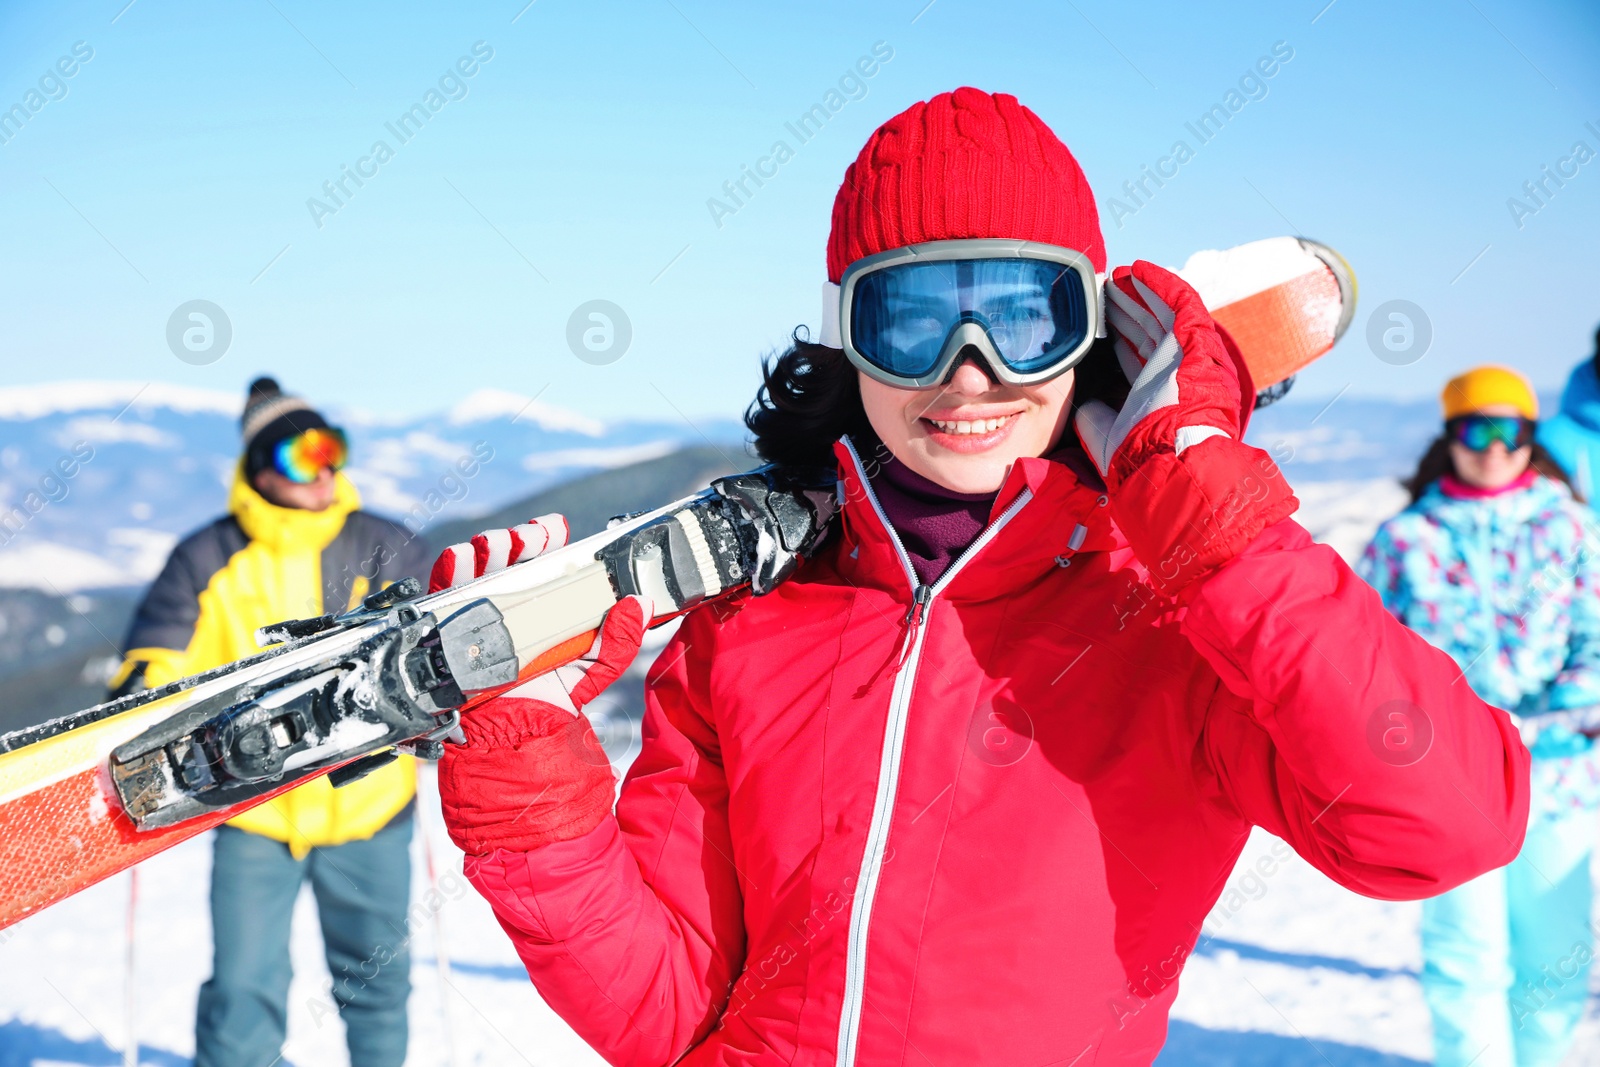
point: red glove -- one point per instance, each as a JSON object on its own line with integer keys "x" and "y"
{"x": 1185, "y": 490}
{"x": 531, "y": 770}
{"x": 495, "y": 550}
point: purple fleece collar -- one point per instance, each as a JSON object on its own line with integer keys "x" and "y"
{"x": 935, "y": 524}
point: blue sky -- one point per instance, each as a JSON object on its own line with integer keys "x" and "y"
{"x": 579, "y": 162}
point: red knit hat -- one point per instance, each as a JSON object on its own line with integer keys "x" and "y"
{"x": 964, "y": 164}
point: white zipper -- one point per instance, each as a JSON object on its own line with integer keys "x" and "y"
{"x": 889, "y": 766}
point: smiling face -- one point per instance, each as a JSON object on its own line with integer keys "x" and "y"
{"x": 966, "y": 434}
{"x": 1496, "y": 467}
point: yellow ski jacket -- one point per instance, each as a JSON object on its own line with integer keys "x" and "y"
{"x": 258, "y": 565}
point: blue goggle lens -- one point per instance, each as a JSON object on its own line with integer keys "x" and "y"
{"x": 1034, "y": 312}
{"x": 1478, "y": 432}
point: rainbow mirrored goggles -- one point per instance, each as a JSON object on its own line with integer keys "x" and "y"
{"x": 904, "y": 316}
{"x": 1478, "y": 432}
{"x": 304, "y": 456}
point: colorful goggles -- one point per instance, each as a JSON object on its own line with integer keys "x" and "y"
{"x": 303, "y": 457}
{"x": 1478, "y": 432}
{"x": 904, "y": 316}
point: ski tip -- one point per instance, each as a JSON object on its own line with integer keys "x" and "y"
{"x": 1284, "y": 302}
{"x": 1344, "y": 274}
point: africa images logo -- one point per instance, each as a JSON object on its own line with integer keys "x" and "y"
{"x": 1251, "y": 86}
{"x": 852, "y": 85}
{"x": 452, "y": 85}
{"x": 52, "y": 85}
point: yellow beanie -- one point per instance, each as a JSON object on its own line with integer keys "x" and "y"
{"x": 1487, "y": 386}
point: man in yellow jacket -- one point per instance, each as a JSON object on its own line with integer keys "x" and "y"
{"x": 294, "y": 544}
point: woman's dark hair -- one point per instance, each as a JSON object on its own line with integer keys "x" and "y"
{"x": 1436, "y": 463}
{"x": 810, "y": 397}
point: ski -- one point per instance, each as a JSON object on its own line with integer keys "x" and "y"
{"x": 1283, "y": 302}
{"x": 89, "y": 795}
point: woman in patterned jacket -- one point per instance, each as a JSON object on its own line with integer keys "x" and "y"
{"x": 1496, "y": 563}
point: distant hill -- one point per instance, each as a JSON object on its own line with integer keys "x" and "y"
{"x": 1350, "y": 438}
{"x": 70, "y": 579}
{"x": 591, "y": 500}
{"x": 58, "y": 651}
{"x": 99, "y": 479}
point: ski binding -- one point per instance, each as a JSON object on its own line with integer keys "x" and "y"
{"x": 400, "y": 666}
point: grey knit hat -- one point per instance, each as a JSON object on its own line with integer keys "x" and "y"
{"x": 271, "y": 415}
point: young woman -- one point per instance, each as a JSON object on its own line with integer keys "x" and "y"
{"x": 963, "y": 790}
{"x": 1494, "y": 562}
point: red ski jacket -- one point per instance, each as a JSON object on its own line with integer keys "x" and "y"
{"x": 981, "y": 822}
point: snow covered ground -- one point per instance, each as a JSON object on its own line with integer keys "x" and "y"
{"x": 63, "y": 975}
{"x": 1290, "y": 969}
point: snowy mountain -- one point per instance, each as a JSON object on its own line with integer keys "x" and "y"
{"x": 1344, "y": 457}
{"x": 99, "y": 479}
{"x": 1345, "y": 439}
{"x": 1350, "y": 438}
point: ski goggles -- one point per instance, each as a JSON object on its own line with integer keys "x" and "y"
{"x": 904, "y": 316}
{"x": 1478, "y": 432}
{"x": 303, "y": 457}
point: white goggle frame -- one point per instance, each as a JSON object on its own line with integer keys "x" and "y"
{"x": 837, "y": 300}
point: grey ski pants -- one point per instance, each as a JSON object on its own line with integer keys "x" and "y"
{"x": 362, "y": 889}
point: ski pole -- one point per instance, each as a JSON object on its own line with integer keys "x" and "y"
{"x": 441, "y": 949}
{"x": 130, "y": 1048}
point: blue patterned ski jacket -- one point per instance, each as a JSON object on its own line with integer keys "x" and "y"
{"x": 1509, "y": 586}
